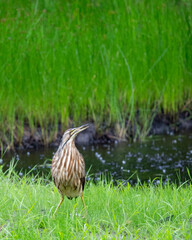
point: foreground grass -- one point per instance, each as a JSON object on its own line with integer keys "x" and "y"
{"x": 123, "y": 212}
{"x": 96, "y": 60}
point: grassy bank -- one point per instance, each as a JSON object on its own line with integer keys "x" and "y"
{"x": 95, "y": 60}
{"x": 139, "y": 212}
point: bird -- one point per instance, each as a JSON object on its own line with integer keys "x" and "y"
{"x": 68, "y": 167}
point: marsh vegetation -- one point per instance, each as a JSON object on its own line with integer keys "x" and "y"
{"x": 102, "y": 61}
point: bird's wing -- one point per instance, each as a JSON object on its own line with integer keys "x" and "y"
{"x": 82, "y": 166}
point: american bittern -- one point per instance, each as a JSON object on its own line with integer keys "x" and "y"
{"x": 68, "y": 167}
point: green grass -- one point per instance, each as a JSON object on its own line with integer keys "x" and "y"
{"x": 92, "y": 60}
{"x": 123, "y": 212}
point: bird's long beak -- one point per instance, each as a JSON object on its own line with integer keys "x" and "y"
{"x": 79, "y": 129}
{"x": 82, "y": 128}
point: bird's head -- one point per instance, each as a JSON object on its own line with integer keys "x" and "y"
{"x": 70, "y": 134}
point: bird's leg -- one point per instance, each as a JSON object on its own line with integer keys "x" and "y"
{"x": 62, "y": 198}
{"x": 82, "y": 197}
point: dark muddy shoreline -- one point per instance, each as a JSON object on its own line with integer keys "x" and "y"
{"x": 161, "y": 125}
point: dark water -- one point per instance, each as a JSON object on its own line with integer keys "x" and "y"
{"x": 161, "y": 156}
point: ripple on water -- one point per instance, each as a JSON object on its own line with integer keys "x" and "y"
{"x": 158, "y": 156}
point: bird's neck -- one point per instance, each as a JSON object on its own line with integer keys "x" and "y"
{"x": 72, "y": 144}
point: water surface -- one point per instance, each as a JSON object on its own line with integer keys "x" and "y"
{"x": 159, "y": 156}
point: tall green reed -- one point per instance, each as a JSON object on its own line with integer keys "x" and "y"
{"x": 102, "y": 61}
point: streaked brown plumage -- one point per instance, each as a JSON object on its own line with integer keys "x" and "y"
{"x": 68, "y": 167}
